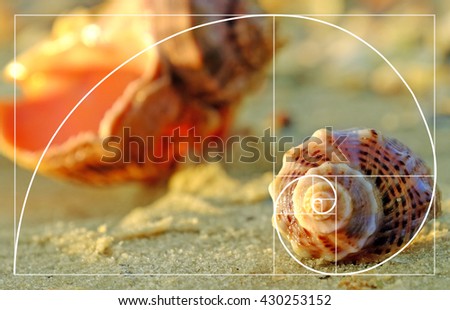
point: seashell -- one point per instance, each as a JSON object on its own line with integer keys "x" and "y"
{"x": 350, "y": 195}
{"x": 217, "y": 63}
{"x": 192, "y": 81}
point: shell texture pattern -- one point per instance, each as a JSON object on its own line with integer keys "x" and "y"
{"x": 351, "y": 195}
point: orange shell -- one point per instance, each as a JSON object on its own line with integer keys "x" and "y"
{"x": 193, "y": 81}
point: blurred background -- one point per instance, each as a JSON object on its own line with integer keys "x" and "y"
{"x": 323, "y": 77}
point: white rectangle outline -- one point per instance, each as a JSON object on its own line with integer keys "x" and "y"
{"x": 434, "y": 142}
{"x": 273, "y": 274}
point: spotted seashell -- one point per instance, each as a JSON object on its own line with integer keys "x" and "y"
{"x": 350, "y": 195}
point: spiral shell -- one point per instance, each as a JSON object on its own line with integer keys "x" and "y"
{"x": 351, "y": 195}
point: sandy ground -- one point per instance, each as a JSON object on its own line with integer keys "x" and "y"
{"x": 210, "y": 226}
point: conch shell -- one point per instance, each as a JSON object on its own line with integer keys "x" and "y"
{"x": 193, "y": 81}
{"x": 351, "y": 195}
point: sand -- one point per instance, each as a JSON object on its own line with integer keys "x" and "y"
{"x": 190, "y": 239}
{"x": 208, "y": 228}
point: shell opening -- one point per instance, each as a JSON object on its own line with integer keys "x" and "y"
{"x": 54, "y": 75}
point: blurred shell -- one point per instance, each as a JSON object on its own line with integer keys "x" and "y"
{"x": 192, "y": 81}
{"x": 350, "y": 195}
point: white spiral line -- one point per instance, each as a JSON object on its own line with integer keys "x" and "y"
{"x": 16, "y": 241}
